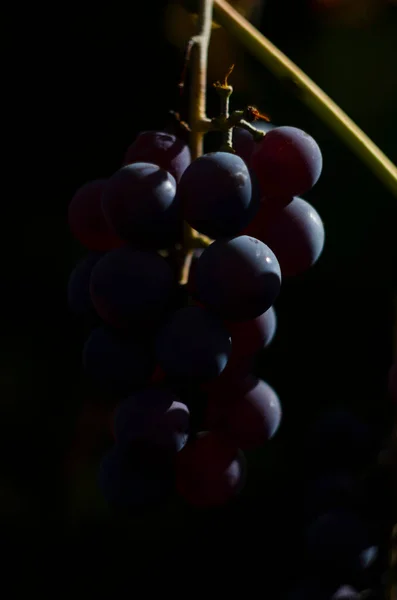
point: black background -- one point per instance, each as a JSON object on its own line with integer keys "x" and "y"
{"x": 82, "y": 82}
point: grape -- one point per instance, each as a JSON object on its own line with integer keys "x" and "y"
{"x": 249, "y": 337}
{"x": 87, "y": 221}
{"x": 335, "y": 541}
{"x": 140, "y": 203}
{"x": 79, "y": 298}
{"x": 218, "y": 195}
{"x": 209, "y": 471}
{"x": 193, "y": 344}
{"x": 346, "y": 593}
{"x": 117, "y": 363}
{"x": 243, "y": 141}
{"x": 338, "y": 439}
{"x": 287, "y": 162}
{"x": 239, "y": 278}
{"x": 328, "y": 492}
{"x": 131, "y": 287}
{"x": 250, "y": 415}
{"x": 126, "y": 481}
{"x": 295, "y": 234}
{"x": 154, "y": 417}
{"x": 162, "y": 149}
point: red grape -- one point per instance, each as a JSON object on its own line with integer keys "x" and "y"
{"x": 87, "y": 221}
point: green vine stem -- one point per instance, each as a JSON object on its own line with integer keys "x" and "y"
{"x": 310, "y": 93}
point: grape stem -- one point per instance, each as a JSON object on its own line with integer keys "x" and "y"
{"x": 198, "y": 120}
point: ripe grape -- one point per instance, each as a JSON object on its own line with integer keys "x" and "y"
{"x": 127, "y": 481}
{"x": 87, "y": 221}
{"x": 249, "y": 337}
{"x": 116, "y": 362}
{"x": 239, "y": 279}
{"x": 79, "y": 298}
{"x": 153, "y": 417}
{"x": 295, "y": 234}
{"x": 209, "y": 471}
{"x": 250, "y": 414}
{"x": 162, "y": 149}
{"x": 140, "y": 203}
{"x": 193, "y": 344}
{"x": 243, "y": 141}
{"x": 287, "y": 162}
{"x": 219, "y": 197}
{"x": 131, "y": 287}
{"x": 335, "y": 541}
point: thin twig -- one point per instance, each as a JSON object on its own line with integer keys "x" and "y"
{"x": 313, "y": 96}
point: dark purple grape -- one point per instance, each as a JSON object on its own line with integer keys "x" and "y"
{"x": 162, "y": 149}
{"x": 117, "y": 363}
{"x": 140, "y": 203}
{"x": 209, "y": 471}
{"x": 295, "y": 234}
{"x": 153, "y": 418}
{"x": 87, "y": 221}
{"x": 287, "y": 162}
{"x": 79, "y": 298}
{"x": 239, "y": 279}
{"x": 131, "y": 288}
{"x": 249, "y": 415}
{"x": 219, "y": 197}
{"x": 193, "y": 345}
{"x": 249, "y": 337}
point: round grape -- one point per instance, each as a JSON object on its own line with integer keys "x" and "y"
{"x": 209, "y": 471}
{"x": 219, "y": 197}
{"x": 87, "y": 221}
{"x": 79, "y": 298}
{"x": 193, "y": 345}
{"x": 131, "y": 287}
{"x": 287, "y": 162}
{"x": 295, "y": 234}
{"x": 249, "y": 337}
{"x": 118, "y": 363}
{"x": 239, "y": 279}
{"x": 140, "y": 203}
{"x": 154, "y": 417}
{"x": 250, "y": 415}
{"x": 162, "y": 149}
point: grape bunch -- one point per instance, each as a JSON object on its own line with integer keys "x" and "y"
{"x": 177, "y": 357}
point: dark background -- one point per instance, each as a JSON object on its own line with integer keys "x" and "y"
{"x": 83, "y": 83}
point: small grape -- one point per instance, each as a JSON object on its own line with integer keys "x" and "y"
{"x": 131, "y": 288}
{"x": 162, "y": 149}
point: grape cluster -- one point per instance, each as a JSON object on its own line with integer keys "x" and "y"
{"x": 178, "y": 357}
